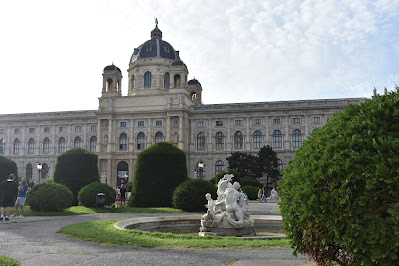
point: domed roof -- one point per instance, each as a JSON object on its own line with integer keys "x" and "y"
{"x": 156, "y": 47}
{"x": 193, "y": 81}
{"x": 112, "y": 67}
{"x": 177, "y": 61}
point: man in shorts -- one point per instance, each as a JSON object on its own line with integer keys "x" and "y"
{"x": 22, "y": 189}
{"x": 9, "y": 189}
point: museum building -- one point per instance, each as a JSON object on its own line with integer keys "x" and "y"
{"x": 161, "y": 105}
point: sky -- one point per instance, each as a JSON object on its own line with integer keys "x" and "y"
{"x": 53, "y": 53}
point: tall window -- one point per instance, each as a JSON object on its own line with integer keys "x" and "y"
{"x": 17, "y": 143}
{"x": 44, "y": 171}
{"x": 141, "y": 141}
{"x": 296, "y": 138}
{"x": 238, "y": 140}
{"x": 93, "y": 143}
{"x": 77, "y": 143}
{"x": 46, "y": 146}
{"x": 201, "y": 141}
{"x": 123, "y": 142}
{"x": 132, "y": 83}
{"x": 2, "y": 146}
{"x": 280, "y": 165}
{"x": 31, "y": 146}
{"x": 61, "y": 145}
{"x": 147, "y": 79}
{"x": 219, "y": 141}
{"x": 219, "y": 167}
{"x": 158, "y": 137}
{"x": 257, "y": 139}
{"x": 29, "y": 170}
{"x": 166, "y": 80}
{"x": 277, "y": 139}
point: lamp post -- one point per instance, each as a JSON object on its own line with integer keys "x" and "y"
{"x": 39, "y": 168}
{"x": 199, "y": 169}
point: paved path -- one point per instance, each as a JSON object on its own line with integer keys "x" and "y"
{"x": 35, "y": 241}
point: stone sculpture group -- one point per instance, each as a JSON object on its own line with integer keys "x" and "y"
{"x": 227, "y": 216}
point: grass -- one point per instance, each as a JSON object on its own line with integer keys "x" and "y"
{"x": 76, "y": 210}
{"x": 7, "y": 261}
{"x": 104, "y": 232}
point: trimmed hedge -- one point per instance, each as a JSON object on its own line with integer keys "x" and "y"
{"x": 49, "y": 196}
{"x": 340, "y": 195}
{"x": 159, "y": 170}
{"x": 7, "y": 167}
{"x": 75, "y": 169}
{"x": 190, "y": 195}
{"x": 87, "y": 195}
{"x": 252, "y": 192}
{"x": 250, "y": 181}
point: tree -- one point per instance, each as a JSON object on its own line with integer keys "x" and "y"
{"x": 7, "y": 167}
{"x": 75, "y": 169}
{"x": 245, "y": 164}
{"x": 268, "y": 164}
{"x": 340, "y": 195}
{"x": 159, "y": 170}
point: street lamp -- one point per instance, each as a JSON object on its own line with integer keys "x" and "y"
{"x": 199, "y": 169}
{"x": 39, "y": 168}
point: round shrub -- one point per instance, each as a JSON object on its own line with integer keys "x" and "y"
{"x": 250, "y": 181}
{"x": 252, "y": 192}
{"x": 159, "y": 170}
{"x": 190, "y": 195}
{"x": 87, "y": 195}
{"x": 340, "y": 195}
{"x": 49, "y": 196}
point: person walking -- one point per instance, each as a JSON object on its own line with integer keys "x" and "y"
{"x": 123, "y": 195}
{"x": 22, "y": 189}
{"x": 9, "y": 189}
{"x": 264, "y": 195}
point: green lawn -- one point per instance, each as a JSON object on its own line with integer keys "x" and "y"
{"x": 7, "y": 261}
{"x": 75, "y": 210}
{"x": 105, "y": 232}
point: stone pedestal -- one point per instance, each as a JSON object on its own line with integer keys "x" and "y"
{"x": 217, "y": 231}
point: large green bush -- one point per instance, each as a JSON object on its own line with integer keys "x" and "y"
{"x": 49, "y": 196}
{"x": 159, "y": 170}
{"x": 340, "y": 195}
{"x": 7, "y": 167}
{"x": 252, "y": 192}
{"x": 87, "y": 195}
{"x": 190, "y": 195}
{"x": 75, "y": 169}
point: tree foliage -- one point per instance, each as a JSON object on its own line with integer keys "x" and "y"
{"x": 75, "y": 169}
{"x": 340, "y": 195}
{"x": 7, "y": 167}
{"x": 159, "y": 170}
{"x": 190, "y": 195}
{"x": 49, "y": 196}
{"x": 88, "y": 194}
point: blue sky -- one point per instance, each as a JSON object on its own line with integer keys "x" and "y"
{"x": 53, "y": 52}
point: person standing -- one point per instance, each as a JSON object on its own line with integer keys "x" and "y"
{"x": 9, "y": 189}
{"x": 22, "y": 189}
{"x": 123, "y": 195}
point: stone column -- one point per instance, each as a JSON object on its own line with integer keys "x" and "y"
{"x": 181, "y": 141}
{"x": 168, "y": 126}
{"x": 68, "y": 145}
{"x": 99, "y": 138}
{"x": 267, "y": 140}
{"x": 287, "y": 136}
{"x": 110, "y": 137}
{"x": 149, "y": 137}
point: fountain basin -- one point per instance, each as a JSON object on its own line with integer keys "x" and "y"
{"x": 189, "y": 222}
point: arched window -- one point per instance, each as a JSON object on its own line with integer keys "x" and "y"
{"x": 147, "y": 79}
{"x": 279, "y": 165}
{"x": 77, "y": 143}
{"x": 158, "y": 137}
{"x": 44, "y": 172}
{"x": 123, "y": 142}
{"x": 31, "y": 146}
{"x": 257, "y": 139}
{"x": 201, "y": 141}
{"x": 219, "y": 138}
{"x": 238, "y": 140}
{"x": 46, "y": 146}
{"x": 277, "y": 139}
{"x": 61, "y": 145}
{"x": 29, "y": 170}
{"x": 123, "y": 173}
{"x": 140, "y": 141}
{"x": 109, "y": 84}
{"x": 93, "y": 143}
{"x": 219, "y": 167}
{"x": 17, "y": 143}
{"x": 132, "y": 83}
{"x": 296, "y": 138}
{"x": 2, "y": 146}
{"x": 166, "y": 80}
{"x": 177, "y": 80}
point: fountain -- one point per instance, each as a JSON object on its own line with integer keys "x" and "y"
{"x": 227, "y": 215}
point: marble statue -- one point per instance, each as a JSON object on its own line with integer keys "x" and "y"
{"x": 274, "y": 194}
{"x": 227, "y": 215}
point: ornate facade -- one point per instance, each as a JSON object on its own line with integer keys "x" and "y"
{"x": 161, "y": 105}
